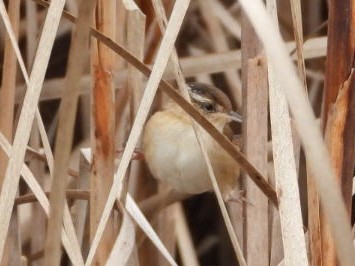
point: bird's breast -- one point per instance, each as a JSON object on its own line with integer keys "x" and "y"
{"x": 173, "y": 154}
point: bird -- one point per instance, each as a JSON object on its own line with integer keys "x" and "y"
{"x": 172, "y": 152}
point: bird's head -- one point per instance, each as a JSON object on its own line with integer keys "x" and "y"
{"x": 211, "y": 102}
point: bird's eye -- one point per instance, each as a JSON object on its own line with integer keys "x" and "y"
{"x": 209, "y": 107}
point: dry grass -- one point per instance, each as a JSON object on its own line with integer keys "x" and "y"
{"x": 71, "y": 191}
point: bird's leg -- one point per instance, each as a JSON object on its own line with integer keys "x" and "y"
{"x": 137, "y": 154}
{"x": 236, "y": 196}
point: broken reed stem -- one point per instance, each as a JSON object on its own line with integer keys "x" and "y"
{"x": 255, "y": 133}
{"x": 338, "y": 109}
{"x": 251, "y": 49}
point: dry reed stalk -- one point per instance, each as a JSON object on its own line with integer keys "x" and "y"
{"x": 7, "y": 92}
{"x": 315, "y": 149}
{"x": 313, "y": 204}
{"x": 219, "y": 44}
{"x": 82, "y": 207}
{"x": 255, "y": 95}
{"x": 255, "y": 132}
{"x": 313, "y": 13}
{"x": 135, "y": 37}
{"x": 315, "y": 90}
{"x": 314, "y": 229}
{"x": 276, "y": 246}
{"x": 338, "y": 109}
{"x": 124, "y": 244}
{"x": 121, "y": 89}
{"x": 134, "y": 259}
{"x": 52, "y": 88}
{"x": 37, "y": 167}
{"x": 42, "y": 199}
{"x": 334, "y": 138}
{"x": 312, "y": 194}
{"x": 166, "y": 219}
{"x": 223, "y": 61}
{"x": 73, "y": 194}
{"x": 103, "y": 127}
{"x": 153, "y": 33}
{"x": 64, "y": 139}
{"x": 286, "y": 177}
{"x": 191, "y": 66}
{"x": 31, "y": 32}
{"x": 71, "y": 234}
{"x": 134, "y": 21}
{"x": 152, "y": 85}
{"x": 205, "y": 78}
{"x": 285, "y": 170}
{"x": 166, "y": 225}
{"x": 73, "y": 6}
{"x": 135, "y": 172}
{"x": 65, "y": 26}
{"x": 24, "y": 23}
{"x": 298, "y": 36}
{"x": 42, "y": 130}
{"x": 39, "y": 219}
{"x": 135, "y": 213}
{"x": 13, "y": 170}
{"x": 298, "y": 32}
{"x": 184, "y": 239}
{"x": 250, "y": 48}
{"x": 227, "y": 20}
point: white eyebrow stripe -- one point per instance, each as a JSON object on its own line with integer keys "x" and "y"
{"x": 200, "y": 98}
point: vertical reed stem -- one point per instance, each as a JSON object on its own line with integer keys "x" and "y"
{"x": 103, "y": 144}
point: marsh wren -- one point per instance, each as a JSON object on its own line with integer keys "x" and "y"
{"x": 171, "y": 149}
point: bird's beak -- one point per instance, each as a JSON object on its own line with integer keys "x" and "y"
{"x": 231, "y": 116}
{"x": 235, "y": 117}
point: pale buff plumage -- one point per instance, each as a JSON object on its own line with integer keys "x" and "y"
{"x": 174, "y": 156}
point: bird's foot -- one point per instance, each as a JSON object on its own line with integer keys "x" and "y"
{"x": 137, "y": 154}
{"x": 237, "y": 196}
